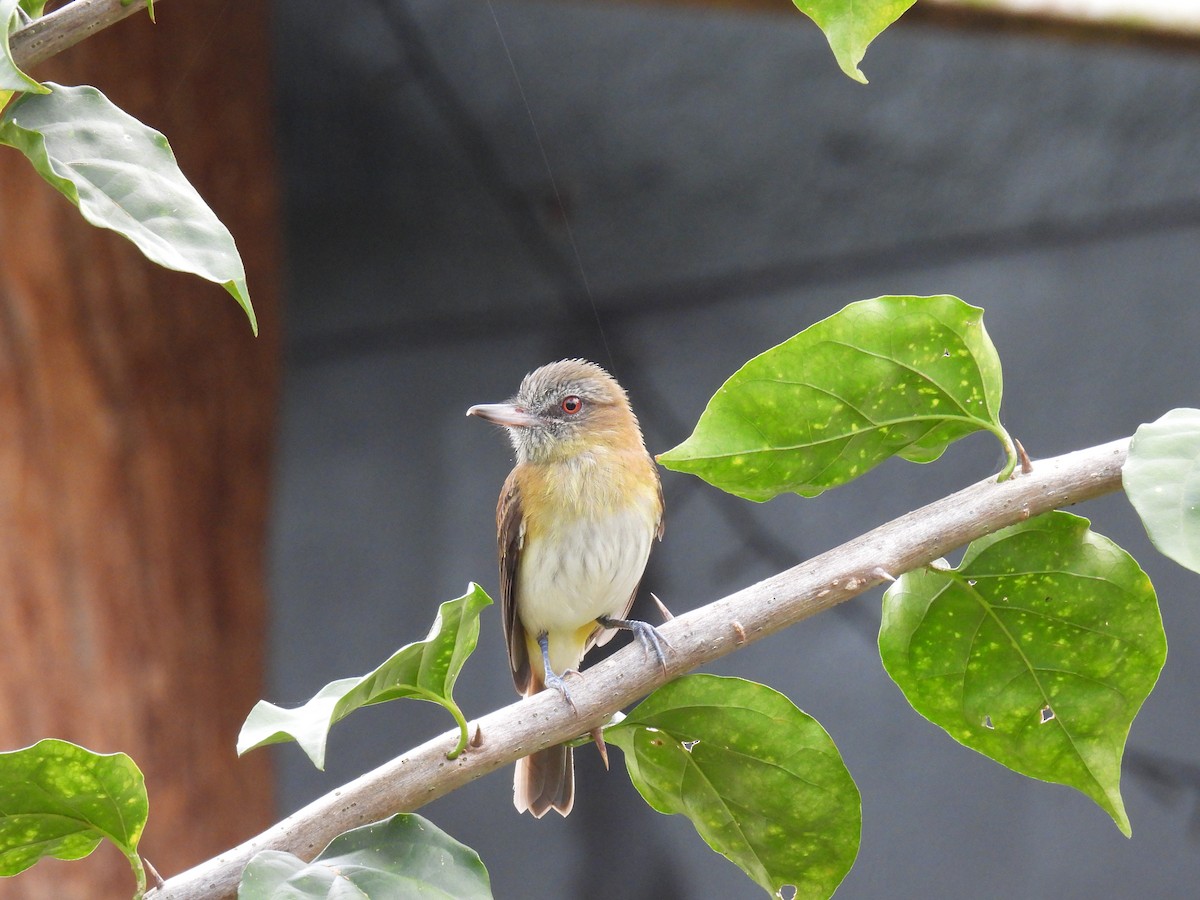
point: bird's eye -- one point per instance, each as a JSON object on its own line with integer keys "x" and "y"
{"x": 571, "y": 405}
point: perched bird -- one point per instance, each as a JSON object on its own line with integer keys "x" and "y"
{"x": 575, "y": 522}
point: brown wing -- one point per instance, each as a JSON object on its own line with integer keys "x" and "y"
{"x": 662, "y": 506}
{"x": 509, "y": 537}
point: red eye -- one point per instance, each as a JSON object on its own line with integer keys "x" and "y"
{"x": 571, "y": 405}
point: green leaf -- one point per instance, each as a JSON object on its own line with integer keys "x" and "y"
{"x": 425, "y": 670}
{"x": 893, "y": 376}
{"x": 59, "y": 800}
{"x": 11, "y": 77}
{"x": 35, "y": 8}
{"x": 123, "y": 176}
{"x": 851, "y": 25}
{"x": 1162, "y": 479}
{"x": 1037, "y": 651}
{"x": 399, "y": 858}
{"x": 760, "y": 780}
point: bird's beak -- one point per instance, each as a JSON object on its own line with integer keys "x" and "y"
{"x": 505, "y": 414}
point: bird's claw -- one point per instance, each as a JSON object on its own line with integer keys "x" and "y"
{"x": 652, "y": 642}
{"x": 551, "y": 679}
{"x": 559, "y": 684}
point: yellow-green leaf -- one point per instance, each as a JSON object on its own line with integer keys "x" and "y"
{"x": 60, "y": 800}
{"x": 893, "y": 376}
{"x": 1037, "y": 651}
{"x": 851, "y": 25}
{"x": 425, "y": 670}
{"x": 761, "y": 781}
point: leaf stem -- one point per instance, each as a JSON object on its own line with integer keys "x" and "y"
{"x": 139, "y": 872}
{"x": 463, "y": 729}
{"x": 1011, "y": 458}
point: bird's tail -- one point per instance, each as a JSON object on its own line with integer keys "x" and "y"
{"x": 544, "y": 781}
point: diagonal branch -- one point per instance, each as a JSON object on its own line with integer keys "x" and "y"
{"x": 698, "y": 637}
{"x": 67, "y": 26}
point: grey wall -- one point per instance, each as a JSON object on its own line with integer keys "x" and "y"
{"x": 726, "y": 186}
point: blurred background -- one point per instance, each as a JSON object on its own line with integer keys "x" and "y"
{"x": 469, "y": 190}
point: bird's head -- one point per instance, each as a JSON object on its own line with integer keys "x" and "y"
{"x": 563, "y": 409}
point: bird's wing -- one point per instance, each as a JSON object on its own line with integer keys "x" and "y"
{"x": 510, "y": 534}
{"x": 662, "y": 508}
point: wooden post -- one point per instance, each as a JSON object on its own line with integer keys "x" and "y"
{"x": 136, "y": 426}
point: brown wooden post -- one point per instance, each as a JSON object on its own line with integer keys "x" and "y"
{"x": 136, "y": 426}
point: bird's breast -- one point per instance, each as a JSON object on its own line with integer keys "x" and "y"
{"x": 587, "y": 540}
{"x": 575, "y": 570}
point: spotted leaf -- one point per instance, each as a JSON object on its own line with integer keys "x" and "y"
{"x": 893, "y": 376}
{"x": 1037, "y": 651}
{"x": 60, "y": 800}
{"x": 759, "y": 779}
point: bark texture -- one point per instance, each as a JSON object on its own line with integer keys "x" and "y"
{"x": 136, "y": 427}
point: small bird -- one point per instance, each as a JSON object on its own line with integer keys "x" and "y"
{"x": 575, "y": 522}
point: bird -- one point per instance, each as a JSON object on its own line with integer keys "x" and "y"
{"x": 575, "y": 522}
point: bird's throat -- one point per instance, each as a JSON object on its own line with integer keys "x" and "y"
{"x": 593, "y": 483}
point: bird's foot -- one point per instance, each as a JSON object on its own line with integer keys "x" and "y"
{"x": 559, "y": 683}
{"x": 552, "y": 679}
{"x": 652, "y": 642}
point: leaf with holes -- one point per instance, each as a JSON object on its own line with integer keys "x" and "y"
{"x": 1162, "y": 481}
{"x": 425, "y": 670}
{"x": 1037, "y": 651}
{"x": 893, "y": 376}
{"x": 760, "y": 780}
{"x": 60, "y": 800}
{"x": 123, "y": 176}
{"x": 851, "y": 25}
{"x": 404, "y": 856}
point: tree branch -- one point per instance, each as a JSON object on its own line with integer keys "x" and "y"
{"x": 696, "y": 638}
{"x": 66, "y": 27}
